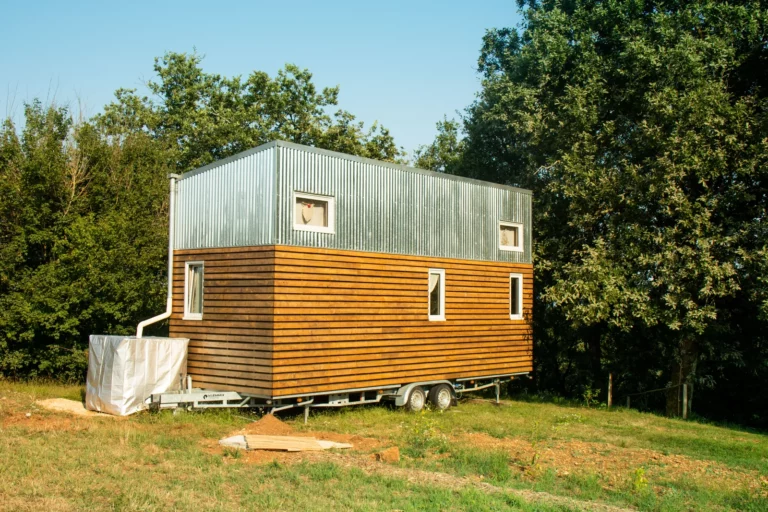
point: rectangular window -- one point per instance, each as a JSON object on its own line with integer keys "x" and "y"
{"x": 313, "y": 213}
{"x": 510, "y": 236}
{"x": 193, "y": 290}
{"x": 516, "y": 296}
{"x": 436, "y": 294}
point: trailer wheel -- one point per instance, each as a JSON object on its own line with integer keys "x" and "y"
{"x": 440, "y": 397}
{"x": 416, "y": 400}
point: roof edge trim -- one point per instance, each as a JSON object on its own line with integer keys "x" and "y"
{"x": 223, "y": 161}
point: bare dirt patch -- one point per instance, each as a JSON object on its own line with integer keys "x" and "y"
{"x": 37, "y": 422}
{"x": 390, "y": 455}
{"x": 373, "y": 465}
{"x": 52, "y": 415}
{"x": 377, "y": 463}
{"x": 70, "y": 407}
{"x": 614, "y": 464}
{"x": 423, "y": 477}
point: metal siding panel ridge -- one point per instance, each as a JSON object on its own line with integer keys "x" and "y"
{"x": 228, "y": 203}
{"x": 247, "y": 200}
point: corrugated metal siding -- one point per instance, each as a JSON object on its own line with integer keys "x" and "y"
{"x": 229, "y": 205}
{"x": 247, "y": 200}
{"x": 386, "y": 209}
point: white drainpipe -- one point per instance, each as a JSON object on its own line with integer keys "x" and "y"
{"x": 169, "y": 301}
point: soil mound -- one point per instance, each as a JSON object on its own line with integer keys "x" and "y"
{"x": 268, "y": 425}
{"x": 69, "y": 406}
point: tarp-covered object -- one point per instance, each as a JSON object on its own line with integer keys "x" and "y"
{"x": 123, "y": 371}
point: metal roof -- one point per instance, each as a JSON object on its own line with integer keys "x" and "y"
{"x": 345, "y": 156}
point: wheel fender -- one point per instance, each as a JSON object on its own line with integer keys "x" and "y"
{"x": 402, "y": 394}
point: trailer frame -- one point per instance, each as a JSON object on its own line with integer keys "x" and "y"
{"x": 191, "y": 398}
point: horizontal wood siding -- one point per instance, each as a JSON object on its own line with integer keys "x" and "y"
{"x": 286, "y": 320}
{"x": 231, "y": 347}
{"x": 345, "y": 319}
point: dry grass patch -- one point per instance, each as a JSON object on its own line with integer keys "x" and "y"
{"x": 614, "y": 464}
{"x": 519, "y": 456}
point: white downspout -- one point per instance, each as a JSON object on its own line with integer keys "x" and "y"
{"x": 169, "y": 301}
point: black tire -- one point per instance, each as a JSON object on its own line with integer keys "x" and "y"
{"x": 441, "y": 397}
{"x": 416, "y": 400}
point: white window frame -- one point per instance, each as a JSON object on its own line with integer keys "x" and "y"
{"x": 520, "y": 236}
{"x": 187, "y": 314}
{"x": 441, "y": 316}
{"x": 518, "y": 316}
{"x": 331, "y": 200}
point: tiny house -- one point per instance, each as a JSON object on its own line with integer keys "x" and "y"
{"x": 300, "y": 273}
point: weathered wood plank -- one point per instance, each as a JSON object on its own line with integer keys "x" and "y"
{"x": 290, "y": 443}
{"x": 282, "y": 319}
{"x": 396, "y": 342}
{"x": 301, "y": 387}
{"x": 356, "y": 256}
{"x": 310, "y": 374}
{"x": 401, "y": 360}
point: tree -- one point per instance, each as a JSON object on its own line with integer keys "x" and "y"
{"x": 642, "y": 128}
{"x": 82, "y": 240}
{"x": 445, "y": 153}
{"x": 84, "y": 205}
{"x": 202, "y": 117}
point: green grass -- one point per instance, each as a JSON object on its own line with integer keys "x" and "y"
{"x": 536, "y": 421}
{"x": 493, "y": 465}
{"x": 743, "y": 455}
{"x": 54, "y": 462}
{"x": 163, "y": 461}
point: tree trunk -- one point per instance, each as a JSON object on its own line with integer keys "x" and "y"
{"x": 595, "y": 348}
{"x": 681, "y": 372}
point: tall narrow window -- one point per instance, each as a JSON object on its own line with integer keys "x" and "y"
{"x": 516, "y": 296}
{"x": 510, "y": 236}
{"x": 193, "y": 290}
{"x": 436, "y": 294}
{"x": 313, "y": 213}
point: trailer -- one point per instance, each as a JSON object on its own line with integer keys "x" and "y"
{"x": 309, "y": 278}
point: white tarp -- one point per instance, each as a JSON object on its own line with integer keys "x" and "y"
{"x": 123, "y": 371}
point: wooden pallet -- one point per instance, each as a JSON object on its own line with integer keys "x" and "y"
{"x": 290, "y": 444}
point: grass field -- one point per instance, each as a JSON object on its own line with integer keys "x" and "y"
{"x": 477, "y": 456}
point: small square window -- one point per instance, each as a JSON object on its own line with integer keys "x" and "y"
{"x": 436, "y": 294}
{"x": 193, "y": 290}
{"x": 313, "y": 213}
{"x": 510, "y": 236}
{"x": 516, "y": 296}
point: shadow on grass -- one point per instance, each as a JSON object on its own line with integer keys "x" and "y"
{"x": 552, "y": 399}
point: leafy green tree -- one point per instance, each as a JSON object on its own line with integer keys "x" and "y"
{"x": 83, "y": 206}
{"x": 446, "y": 151}
{"x": 81, "y": 240}
{"x": 203, "y": 117}
{"x": 641, "y": 127}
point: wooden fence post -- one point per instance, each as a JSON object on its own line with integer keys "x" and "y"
{"x": 685, "y": 401}
{"x": 627, "y": 402}
{"x": 610, "y": 390}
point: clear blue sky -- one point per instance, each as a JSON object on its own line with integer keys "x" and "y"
{"x": 404, "y": 64}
